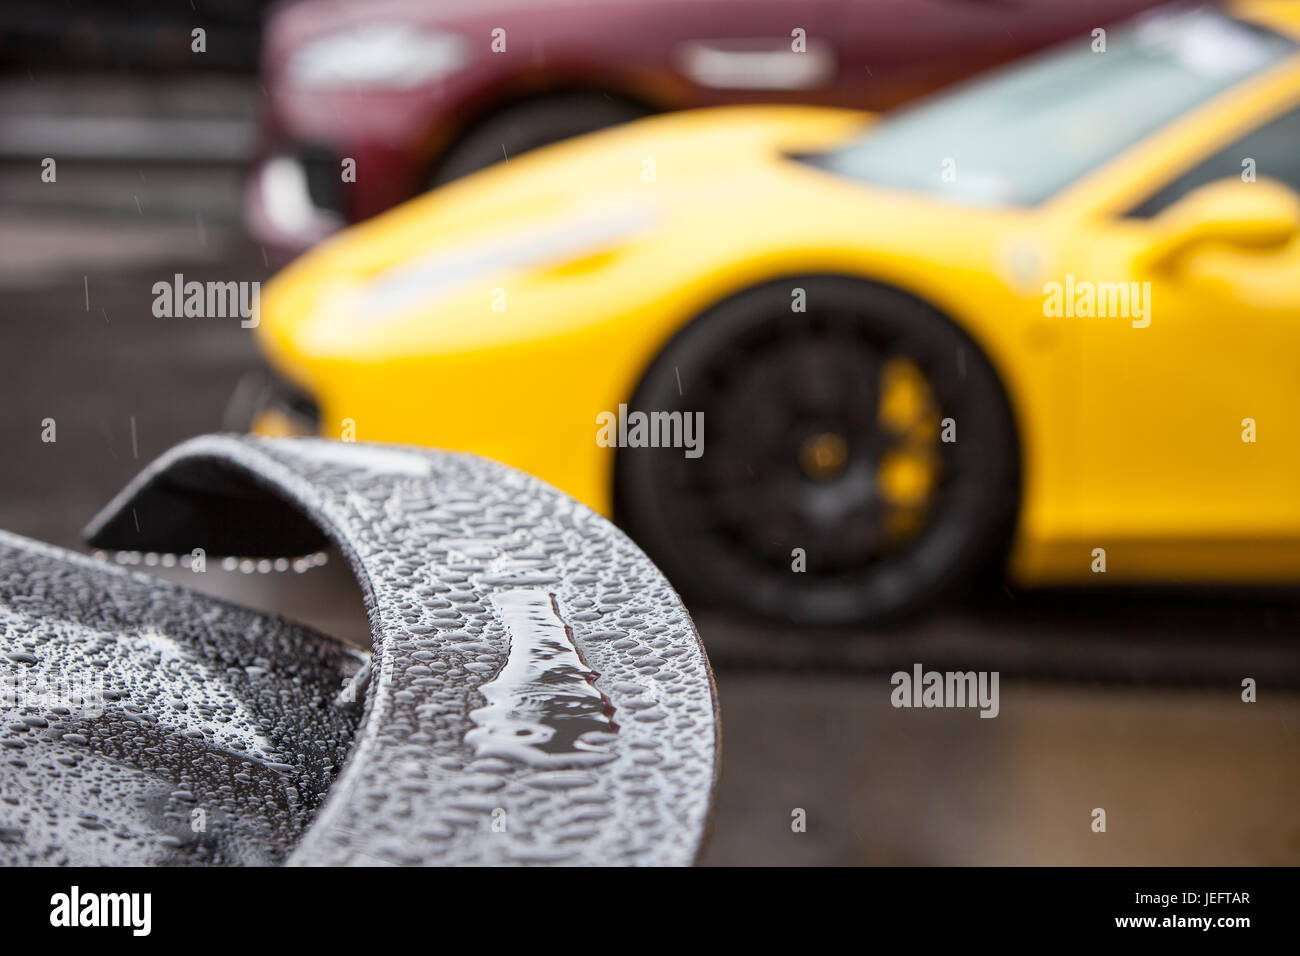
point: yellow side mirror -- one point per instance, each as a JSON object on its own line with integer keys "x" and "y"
{"x": 1261, "y": 215}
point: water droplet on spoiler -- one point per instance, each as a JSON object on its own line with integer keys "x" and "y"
{"x": 543, "y": 707}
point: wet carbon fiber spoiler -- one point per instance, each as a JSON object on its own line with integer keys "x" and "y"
{"x": 536, "y": 692}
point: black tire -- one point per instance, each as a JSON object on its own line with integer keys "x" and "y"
{"x": 530, "y": 124}
{"x": 723, "y": 526}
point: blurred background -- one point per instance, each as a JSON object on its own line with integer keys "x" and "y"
{"x": 170, "y": 160}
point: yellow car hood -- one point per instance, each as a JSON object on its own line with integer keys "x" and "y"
{"x": 634, "y": 169}
{"x": 535, "y": 244}
{"x": 644, "y": 162}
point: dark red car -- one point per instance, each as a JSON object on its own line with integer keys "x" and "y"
{"x": 416, "y": 93}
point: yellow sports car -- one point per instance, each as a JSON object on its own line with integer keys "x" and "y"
{"x": 823, "y": 366}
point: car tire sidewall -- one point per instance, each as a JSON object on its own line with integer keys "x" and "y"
{"x": 528, "y": 125}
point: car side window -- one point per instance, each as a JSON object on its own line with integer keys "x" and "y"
{"x": 1275, "y": 148}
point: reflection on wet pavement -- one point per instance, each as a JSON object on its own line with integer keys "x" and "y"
{"x": 1185, "y": 777}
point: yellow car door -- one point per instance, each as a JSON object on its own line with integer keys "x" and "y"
{"x": 1191, "y": 419}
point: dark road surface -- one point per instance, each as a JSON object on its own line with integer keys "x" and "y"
{"x": 1127, "y": 702}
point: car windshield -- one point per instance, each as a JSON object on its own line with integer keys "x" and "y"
{"x": 1024, "y": 133}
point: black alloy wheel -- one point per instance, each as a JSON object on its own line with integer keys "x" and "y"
{"x": 859, "y": 463}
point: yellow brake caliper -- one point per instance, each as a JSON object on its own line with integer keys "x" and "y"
{"x": 908, "y": 471}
